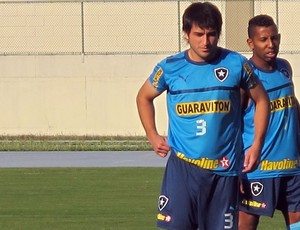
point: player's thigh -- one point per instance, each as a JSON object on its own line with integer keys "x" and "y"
{"x": 220, "y": 210}
{"x": 289, "y": 199}
{"x": 176, "y": 205}
{"x": 248, "y": 221}
{"x": 260, "y": 196}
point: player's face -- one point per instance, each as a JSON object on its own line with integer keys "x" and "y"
{"x": 203, "y": 43}
{"x": 264, "y": 44}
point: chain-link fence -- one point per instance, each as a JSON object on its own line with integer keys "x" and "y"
{"x": 129, "y": 27}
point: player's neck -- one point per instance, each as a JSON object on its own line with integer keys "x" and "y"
{"x": 263, "y": 64}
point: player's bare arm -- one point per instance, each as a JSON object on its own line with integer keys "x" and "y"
{"x": 146, "y": 111}
{"x": 244, "y": 98}
{"x": 261, "y": 120}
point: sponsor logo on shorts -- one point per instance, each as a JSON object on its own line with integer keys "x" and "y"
{"x": 162, "y": 202}
{"x": 165, "y": 218}
{"x": 253, "y": 203}
{"x": 221, "y": 74}
{"x": 256, "y": 188}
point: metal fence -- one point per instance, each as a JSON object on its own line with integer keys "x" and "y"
{"x": 129, "y": 27}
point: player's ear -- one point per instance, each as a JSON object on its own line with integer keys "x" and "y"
{"x": 185, "y": 36}
{"x": 250, "y": 43}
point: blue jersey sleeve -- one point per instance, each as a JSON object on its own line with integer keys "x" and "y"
{"x": 250, "y": 78}
{"x": 157, "y": 78}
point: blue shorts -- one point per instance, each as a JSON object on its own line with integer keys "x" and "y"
{"x": 263, "y": 196}
{"x": 192, "y": 198}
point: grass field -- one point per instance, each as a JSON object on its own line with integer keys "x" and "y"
{"x": 84, "y": 199}
{"x": 73, "y": 143}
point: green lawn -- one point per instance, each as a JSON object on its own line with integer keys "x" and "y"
{"x": 84, "y": 198}
{"x": 73, "y": 143}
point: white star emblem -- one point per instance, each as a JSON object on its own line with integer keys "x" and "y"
{"x": 162, "y": 202}
{"x": 256, "y": 188}
{"x": 221, "y": 73}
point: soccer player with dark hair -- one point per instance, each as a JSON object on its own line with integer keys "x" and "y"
{"x": 200, "y": 185}
{"x": 275, "y": 184}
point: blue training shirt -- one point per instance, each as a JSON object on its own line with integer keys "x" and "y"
{"x": 203, "y": 101}
{"x": 280, "y": 152}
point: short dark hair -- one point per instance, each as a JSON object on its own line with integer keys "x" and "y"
{"x": 204, "y": 15}
{"x": 259, "y": 20}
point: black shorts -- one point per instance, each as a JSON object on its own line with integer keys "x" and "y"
{"x": 263, "y": 196}
{"x": 192, "y": 198}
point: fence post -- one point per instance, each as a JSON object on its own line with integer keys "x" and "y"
{"x": 179, "y": 28}
{"x": 82, "y": 29}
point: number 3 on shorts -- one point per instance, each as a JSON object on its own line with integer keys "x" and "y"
{"x": 228, "y": 221}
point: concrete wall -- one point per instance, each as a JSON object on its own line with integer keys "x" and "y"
{"x": 92, "y": 95}
{"x": 95, "y": 94}
{"x": 79, "y": 95}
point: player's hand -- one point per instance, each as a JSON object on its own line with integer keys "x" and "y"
{"x": 252, "y": 159}
{"x": 159, "y": 145}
